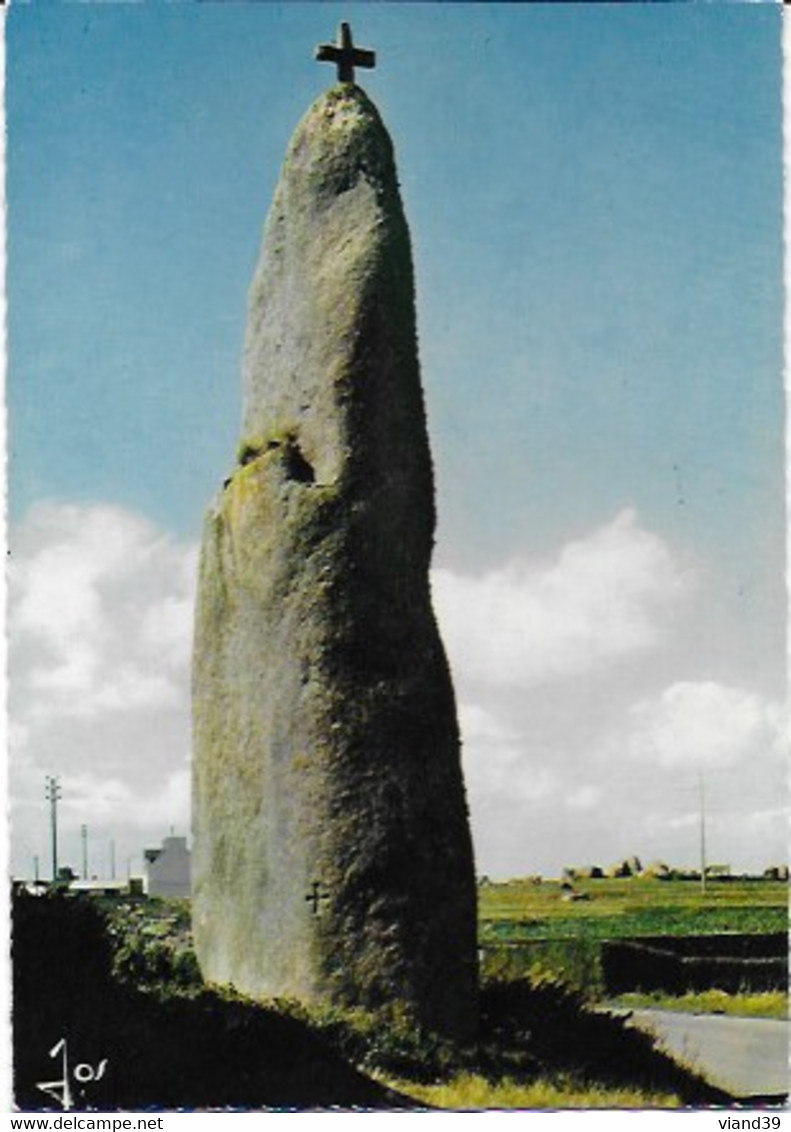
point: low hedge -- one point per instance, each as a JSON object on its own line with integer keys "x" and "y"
{"x": 628, "y": 965}
{"x": 674, "y": 964}
{"x": 723, "y": 945}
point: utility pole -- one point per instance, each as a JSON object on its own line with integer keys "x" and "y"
{"x": 84, "y": 836}
{"x": 52, "y": 794}
{"x": 112, "y": 859}
{"x": 702, "y": 832}
{"x": 35, "y": 869}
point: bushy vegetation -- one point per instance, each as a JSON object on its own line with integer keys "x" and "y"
{"x": 154, "y": 964}
{"x": 577, "y": 962}
{"x": 152, "y": 944}
{"x": 387, "y": 1044}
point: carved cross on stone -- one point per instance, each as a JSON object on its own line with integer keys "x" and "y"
{"x": 345, "y": 55}
{"x": 315, "y": 896}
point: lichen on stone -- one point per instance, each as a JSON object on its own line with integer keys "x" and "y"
{"x": 326, "y": 740}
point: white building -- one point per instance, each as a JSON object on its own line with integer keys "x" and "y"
{"x": 167, "y": 870}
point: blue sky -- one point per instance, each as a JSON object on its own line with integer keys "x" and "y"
{"x": 594, "y": 194}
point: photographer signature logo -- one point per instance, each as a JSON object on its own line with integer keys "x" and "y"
{"x": 64, "y": 1088}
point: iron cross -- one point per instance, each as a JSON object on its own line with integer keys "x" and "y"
{"x": 315, "y": 896}
{"x": 345, "y": 55}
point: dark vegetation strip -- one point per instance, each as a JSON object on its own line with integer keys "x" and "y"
{"x": 599, "y": 968}
{"x": 163, "y": 1050}
{"x": 631, "y": 965}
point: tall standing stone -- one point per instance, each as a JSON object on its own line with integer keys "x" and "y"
{"x": 332, "y": 854}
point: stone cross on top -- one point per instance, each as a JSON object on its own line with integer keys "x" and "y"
{"x": 345, "y": 55}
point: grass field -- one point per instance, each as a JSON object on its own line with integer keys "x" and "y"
{"x": 773, "y": 1004}
{"x": 631, "y": 906}
{"x": 528, "y": 928}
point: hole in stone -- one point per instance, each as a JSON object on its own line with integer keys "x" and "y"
{"x": 296, "y": 466}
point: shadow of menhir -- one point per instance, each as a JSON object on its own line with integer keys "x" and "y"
{"x": 561, "y": 1034}
{"x": 204, "y": 1052}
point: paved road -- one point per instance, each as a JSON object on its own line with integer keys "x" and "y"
{"x": 748, "y": 1057}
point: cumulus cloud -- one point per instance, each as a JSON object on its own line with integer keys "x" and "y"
{"x": 706, "y": 724}
{"x": 584, "y": 797}
{"x": 582, "y": 741}
{"x": 100, "y": 623}
{"x": 100, "y": 612}
{"x": 578, "y": 746}
{"x": 496, "y": 763}
{"x": 627, "y": 782}
{"x": 605, "y": 598}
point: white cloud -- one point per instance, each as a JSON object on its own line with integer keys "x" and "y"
{"x": 581, "y": 740}
{"x": 100, "y": 625}
{"x": 149, "y": 804}
{"x": 584, "y": 797}
{"x": 495, "y": 761}
{"x": 100, "y": 613}
{"x": 706, "y": 724}
{"x": 479, "y": 725}
{"x": 571, "y": 754}
{"x": 607, "y": 597}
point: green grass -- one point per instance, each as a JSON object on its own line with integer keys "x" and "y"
{"x": 526, "y": 928}
{"x": 771, "y": 1004}
{"x": 633, "y": 906}
{"x": 470, "y": 1091}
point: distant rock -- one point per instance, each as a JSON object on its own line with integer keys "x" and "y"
{"x": 584, "y": 872}
{"x": 657, "y": 869}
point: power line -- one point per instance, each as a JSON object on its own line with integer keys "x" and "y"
{"x": 702, "y": 832}
{"x": 52, "y": 794}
